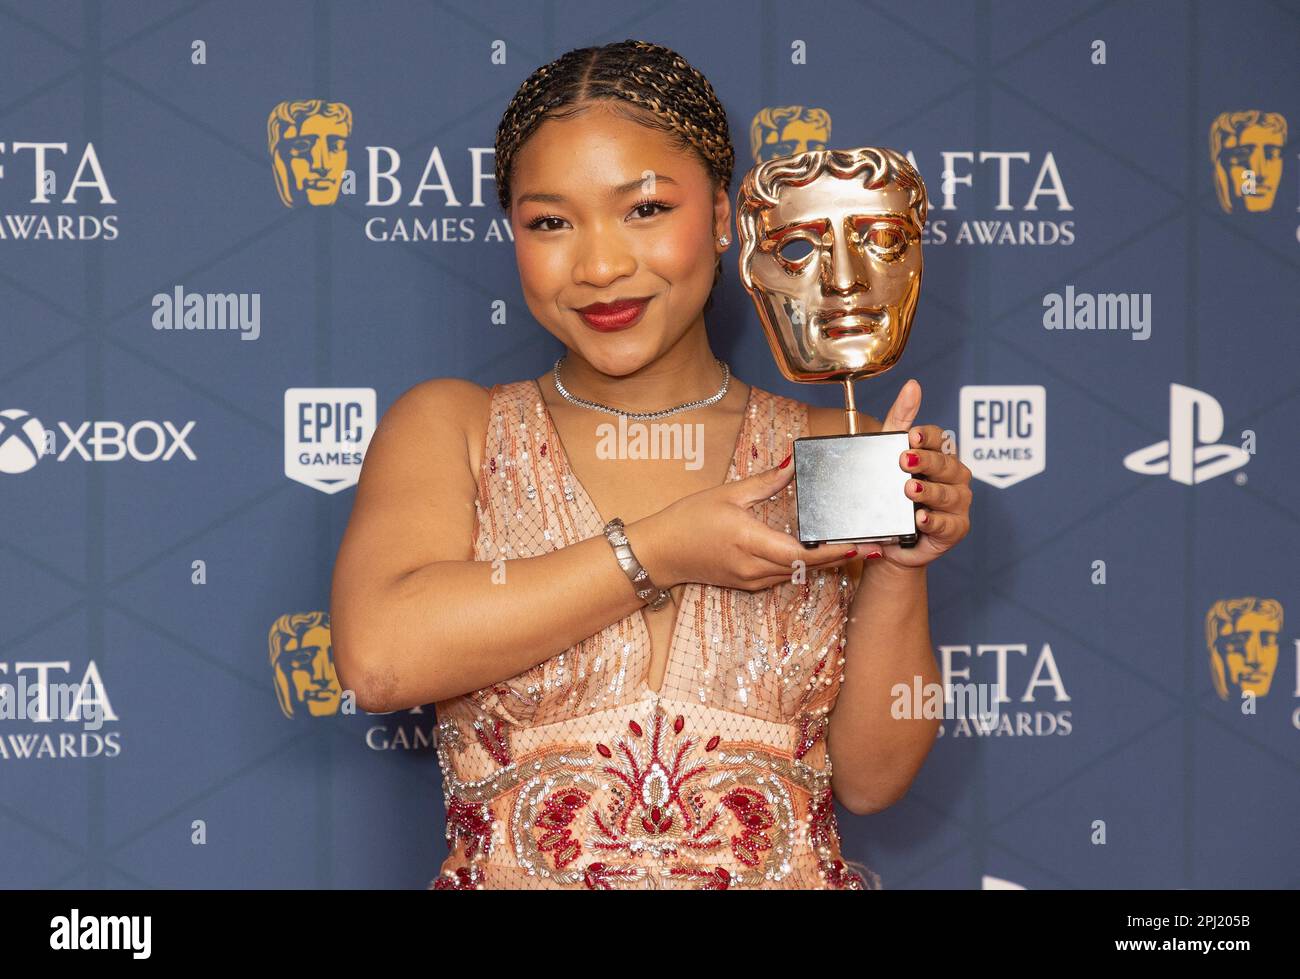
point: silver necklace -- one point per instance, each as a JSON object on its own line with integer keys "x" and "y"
{"x": 643, "y": 415}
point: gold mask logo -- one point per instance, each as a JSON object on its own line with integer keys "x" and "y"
{"x": 308, "y": 141}
{"x": 787, "y": 130}
{"x": 1242, "y": 635}
{"x": 302, "y": 662}
{"x": 1246, "y": 154}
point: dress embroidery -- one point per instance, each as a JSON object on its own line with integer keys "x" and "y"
{"x": 577, "y": 774}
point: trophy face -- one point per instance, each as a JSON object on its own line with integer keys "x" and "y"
{"x": 830, "y": 252}
{"x": 831, "y": 256}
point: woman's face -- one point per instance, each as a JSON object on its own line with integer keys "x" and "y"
{"x": 627, "y": 215}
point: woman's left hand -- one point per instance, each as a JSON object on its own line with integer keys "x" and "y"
{"x": 942, "y": 489}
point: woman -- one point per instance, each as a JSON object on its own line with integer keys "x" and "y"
{"x": 675, "y": 731}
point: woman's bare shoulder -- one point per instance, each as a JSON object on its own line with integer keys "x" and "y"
{"x": 449, "y": 404}
{"x": 414, "y": 502}
{"x": 447, "y": 399}
{"x": 440, "y": 414}
{"x": 446, "y": 393}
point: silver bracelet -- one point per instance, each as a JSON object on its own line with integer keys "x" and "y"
{"x": 645, "y": 588}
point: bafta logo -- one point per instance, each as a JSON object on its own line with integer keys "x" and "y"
{"x": 1246, "y": 153}
{"x": 787, "y": 130}
{"x": 308, "y": 141}
{"x": 302, "y": 662}
{"x": 1242, "y": 637}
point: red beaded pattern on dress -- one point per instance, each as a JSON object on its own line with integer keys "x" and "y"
{"x": 719, "y": 781}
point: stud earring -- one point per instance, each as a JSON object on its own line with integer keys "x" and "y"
{"x": 724, "y": 241}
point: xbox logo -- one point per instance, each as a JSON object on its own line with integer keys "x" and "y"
{"x": 22, "y": 437}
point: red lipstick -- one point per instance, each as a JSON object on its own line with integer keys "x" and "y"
{"x": 618, "y": 315}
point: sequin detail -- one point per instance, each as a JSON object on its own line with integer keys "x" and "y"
{"x": 575, "y": 773}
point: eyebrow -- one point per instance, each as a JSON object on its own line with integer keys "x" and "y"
{"x": 892, "y": 217}
{"x": 610, "y": 194}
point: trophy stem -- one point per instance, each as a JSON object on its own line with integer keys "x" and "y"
{"x": 850, "y": 409}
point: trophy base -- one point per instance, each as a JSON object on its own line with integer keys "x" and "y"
{"x": 851, "y": 489}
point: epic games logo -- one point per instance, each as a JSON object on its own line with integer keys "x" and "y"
{"x": 326, "y": 432}
{"x": 1003, "y": 436}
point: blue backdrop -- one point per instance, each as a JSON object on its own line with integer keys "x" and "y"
{"x": 1107, "y": 327}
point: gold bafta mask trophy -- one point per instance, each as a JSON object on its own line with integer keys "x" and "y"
{"x": 830, "y": 252}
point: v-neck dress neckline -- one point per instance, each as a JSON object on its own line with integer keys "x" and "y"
{"x": 691, "y": 594}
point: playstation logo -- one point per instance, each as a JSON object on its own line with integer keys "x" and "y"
{"x": 1192, "y": 453}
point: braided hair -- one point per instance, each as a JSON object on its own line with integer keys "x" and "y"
{"x": 649, "y": 84}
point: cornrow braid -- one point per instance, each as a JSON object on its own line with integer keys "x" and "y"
{"x": 662, "y": 89}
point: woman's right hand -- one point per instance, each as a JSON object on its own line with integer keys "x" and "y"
{"x": 715, "y": 537}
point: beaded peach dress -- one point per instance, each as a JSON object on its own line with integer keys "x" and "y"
{"x": 576, "y": 774}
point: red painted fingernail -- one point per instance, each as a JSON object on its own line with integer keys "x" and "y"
{"x": 851, "y": 553}
{"x": 786, "y": 461}
{"x": 913, "y": 458}
{"x": 874, "y": 554}
{"x": 916, "y": 486}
